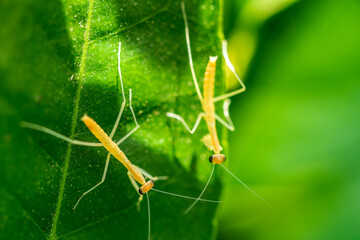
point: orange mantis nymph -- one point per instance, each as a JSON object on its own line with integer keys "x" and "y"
{"x": 208, "y": 101}
{"x": 136, "y": 174}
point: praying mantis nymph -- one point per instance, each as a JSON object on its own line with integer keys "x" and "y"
{"x": 136, "y": 174}
{"x": 208, "y": 101}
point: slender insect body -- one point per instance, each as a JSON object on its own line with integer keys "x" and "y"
{"x": 103, "y": 137}
{"x": 209, "y": 82}
{"x": 208, "y": 104}
{"x": 111, "y": 146}
{"x": 208, "y": 101}
{"x": 135, "y": 174}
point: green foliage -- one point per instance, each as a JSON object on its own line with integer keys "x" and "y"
{"x": 297, "y": 138}
{"x": 58, "y": 61}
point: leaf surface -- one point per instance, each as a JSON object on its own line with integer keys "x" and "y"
{"x": 59, "y": 61}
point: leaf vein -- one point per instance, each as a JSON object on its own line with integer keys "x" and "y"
{"x": 143, "y": 20}
{"x": 73, "y": 124}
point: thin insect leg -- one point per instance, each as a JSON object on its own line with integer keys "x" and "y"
{"x": 123, "y": 93}
{"x": 173, "y": 115}
{"x": 198, "y": 198}
{"x": 133, "y": 182}
{"x": 102, "y": 180}
{"x": 149, "y": 218}
{"x": 187, "y": 36}
{"x": 247, "y": 187}
{"x": 149, "y": 176}
{"x": 187, "y": 197}
{"x": 58, "y": 135}
{"x": 232, "y": 69}
{"x": 117, "y": 120}
{"x": 229, "y": 124}
{"x": 137, "y": 125}
{"x": 136, "y": 186}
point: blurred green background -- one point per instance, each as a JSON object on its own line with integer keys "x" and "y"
{"x": 297, "y": 138}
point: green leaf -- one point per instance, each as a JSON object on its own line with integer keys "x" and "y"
{"x": 58, "y": 61}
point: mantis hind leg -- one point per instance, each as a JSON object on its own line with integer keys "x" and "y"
{"x": 123, "y": 106}
{"x": 134, "y": 116}
{"x": 228, "y": 123}
{"x": 177, "y": 117}
{"x": 187, "y": 37}
{"x": 232, "y": 69}
{"x": 102, "y": 180}
{"x": 58, "y": 135}
{"x": 123, "y": 94}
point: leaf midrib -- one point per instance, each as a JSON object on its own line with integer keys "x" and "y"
{"x": 52, "y": 235}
